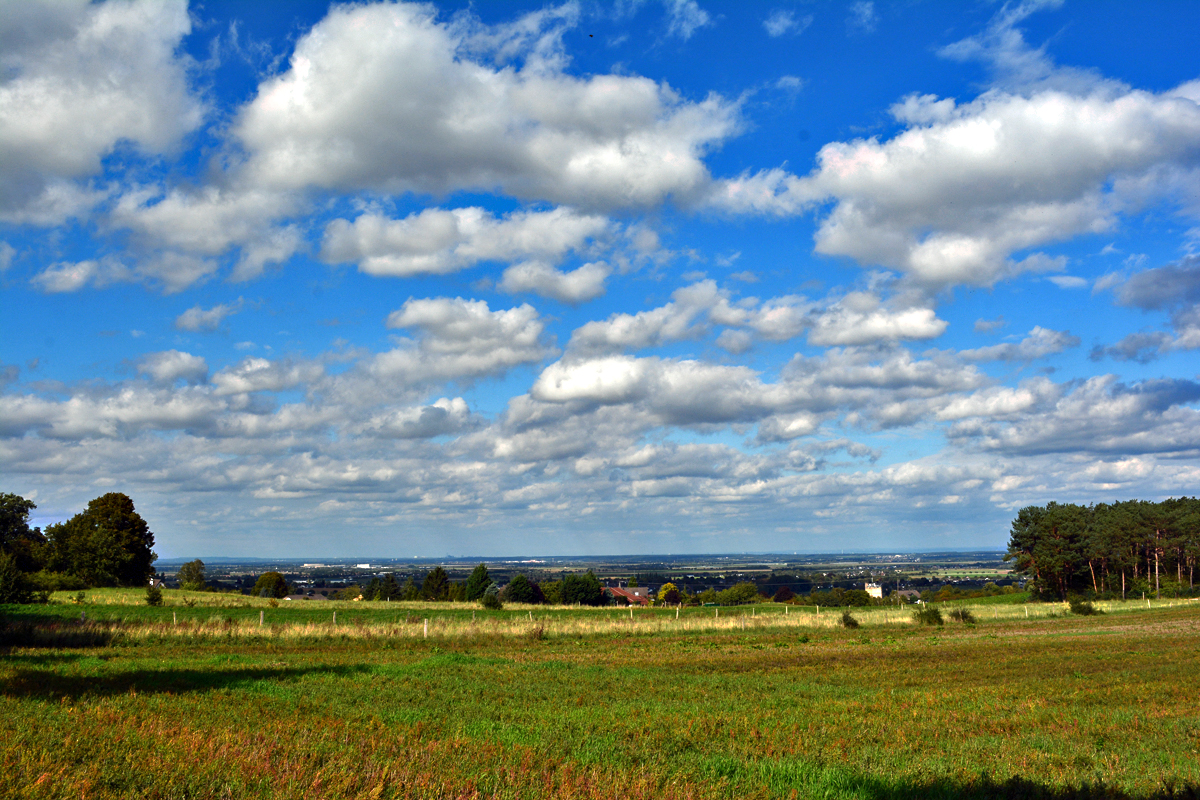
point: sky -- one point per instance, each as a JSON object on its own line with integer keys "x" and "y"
{"x": 400, "y": 280}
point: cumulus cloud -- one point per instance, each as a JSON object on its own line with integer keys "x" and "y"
{"x": 440, "y": 418}
{"x": 1101, "y": 415}
{"x": 1174, "y": 288}
{"x": 460, "y": 340}
{"x": 437, "y": 241}
{"x": 81, "y": 78}
{"x": 1040, "y": 342}
{"x": 174, "y": 229}
{"x": 70, "y": 277}
{"x": 172, "y": 365}
{"x": 576, "y": 286}
{"x": 860, "y": 318}
{"x": 264, "y": 375}
{"x": 385, "y": 97}
{"x": 965, "y": 186}
{"x": 197, "y": 319}
{"x": 688, "y": 315}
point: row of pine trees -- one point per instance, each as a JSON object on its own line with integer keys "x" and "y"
{"x": 1108, "y": 549}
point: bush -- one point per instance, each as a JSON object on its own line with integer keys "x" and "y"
{"x": 963, "y": 615}
{"x": 153, "y": 596}
{"x": 1082, "y": 607}
{"x": 848, "y": 620}
{"x": 491, "y": 598}
{"x": 929, "y": 616}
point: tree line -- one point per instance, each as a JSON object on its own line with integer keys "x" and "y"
{"x": 1107, "y": 550}
{"x": 106, "y": 544}
{"x": 584, "y": 589}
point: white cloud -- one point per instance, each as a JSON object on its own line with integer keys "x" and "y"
{"x": 685, "y": 17}
{"x": 460, "y": 340}
{"x": 860, "y": 318}
{"x": 782, "y": 21}
{"x": 172, "y": 365}
{"x": 687, "y": 316}
{"x": 437, "y": 241}
{"x": 383, "y": 97}
{"x": 71, "y": 277}
{"x": 863, "y": 16}
{"x": 1068, "y": 281}
{"x": 966, "y": 186}
{"x": 264, "y": 375}
{"x": 81, "y": 78}
{"x": 440, "y": 418}
{"x": 1040, "y": 342}
{"x": 7, "y": 251}
{"x": 197, "y": 319}
{"x": 576, "y": 286}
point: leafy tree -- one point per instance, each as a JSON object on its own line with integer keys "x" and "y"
{"x": 26, "y": 545}
{"x": 856, "y": 597}
{"x": 738, "y": 594}
{"x": 108, "y": 544}
{"x": 436, "y": 585}
{"x": 270, "y": 584}
{"x": 669, "y": 593}
{"x": 583, "y": 590}
{"x": 552, "y": 592}
{"x": 410, "y": 591}
{"x": 478, "y": 582}
{"x": 191, "y": 576}
{"x": 523, "y": 590}
{"x": 784, "y": 595}
{"x": 13, "y": 586}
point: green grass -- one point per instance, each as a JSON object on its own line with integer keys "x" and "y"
{"x": 1053, "y": 706}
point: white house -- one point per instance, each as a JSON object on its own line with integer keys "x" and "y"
{"x": 875, "y": 590}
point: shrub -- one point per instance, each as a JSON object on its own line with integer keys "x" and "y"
{"x": 491, "y": 598}
{"x": 963, "y": 615}
{"x": 13, "y": 587}
{"x": 848, "y": 620}
{"x": 929, "y": 616}
{"x": 1083, "y": 607}
{"x": 154, "y": 596}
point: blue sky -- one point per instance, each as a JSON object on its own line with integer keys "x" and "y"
{"x": 584, "y": 278}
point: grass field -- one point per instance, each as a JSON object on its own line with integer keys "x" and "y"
{"x": 199, "y": 701}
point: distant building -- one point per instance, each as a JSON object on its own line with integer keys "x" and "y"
{"x": 157, "y": 583}
{"x": 875, "y": 590}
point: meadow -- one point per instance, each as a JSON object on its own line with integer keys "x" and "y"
{"x": 747, "y": 702}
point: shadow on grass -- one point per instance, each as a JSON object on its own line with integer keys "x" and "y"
{"x": 40, "y": 683}
{"x": 805, "y": 779}
{"x": 1014, "y": 789}
{"x": 51, "y": 631}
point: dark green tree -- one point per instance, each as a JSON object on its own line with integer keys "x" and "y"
{"x": 436, "y": 585}
{"x": 108, "y": 544}
{"x": 13, "y": 586}
{"x": 583, "y": 590}
{"x": 389, "y": 588}
{"x": 478, "y": 582}
{"x": 491, "y": 597}
{"x": 522, "y": 590}
{"x": 270, "y": 584}
{"x": 191, "y": 576}
{"x": 26, "y": 545}
{"x": 410, "y": 591}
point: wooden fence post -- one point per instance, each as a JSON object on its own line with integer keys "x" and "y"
{"x": 426, "y": 628}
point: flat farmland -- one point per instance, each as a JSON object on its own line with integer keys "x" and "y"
{"x": 744, "y": 703}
